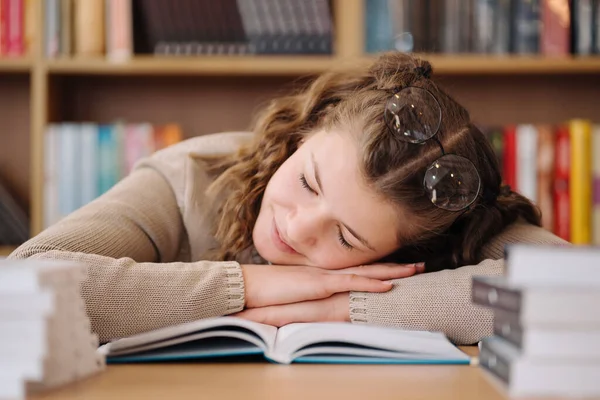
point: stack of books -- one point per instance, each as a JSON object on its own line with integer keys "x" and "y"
{"x": 546, "y": 321}
{"x": 45, "y": 335}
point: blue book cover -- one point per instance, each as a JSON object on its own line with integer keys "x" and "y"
{"x": 323, "y": 343}
{"x": 108, "y": 164}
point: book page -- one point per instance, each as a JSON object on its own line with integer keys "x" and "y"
{"x": 265, "y": 333}
{"x": 294, "y": 337}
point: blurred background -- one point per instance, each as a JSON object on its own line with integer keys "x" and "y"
{"x": 87, "y": 87}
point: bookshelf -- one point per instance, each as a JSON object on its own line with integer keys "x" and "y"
{"x": 202, "y": 94}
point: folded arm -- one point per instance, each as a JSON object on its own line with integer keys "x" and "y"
{"x": 130, "y": 239}
{"x": 441, "y": 301}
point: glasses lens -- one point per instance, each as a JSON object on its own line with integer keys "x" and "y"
{"x": 413, "y": 114}
{"x": 452, "y": 182}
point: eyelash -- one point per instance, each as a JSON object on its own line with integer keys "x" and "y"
{"x": 341, "y": 239}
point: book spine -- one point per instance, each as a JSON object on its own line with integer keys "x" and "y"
{"x": 510, "y": 156}
{"x": 69, "y": 169}
{"x": 52, "y": 19}
{"x": 378, "y": 26}
{"x": 596, "y": 26}
{"x": 4, "y": 27}
{"x": 66, "y": 28}
{"x": 580, "y": 181}
{"x": 527, "y": 137}
{"x": 556, "y": 28}
{"x": 545, "y": 167}
{"x": 484, "y": 24}
{"x": 562, "y": 173}
{"x": 507, "y": 327}
{"x": 486, "y": 295}
{"x": 596, "y": 185}
{"x": 581, "y": 29}
{"x": 527, "y": 27}
{"x": 502, "y": 27}
{"x": 15, "y": 28}
{"x": 493, "y": 362}
{"x": 51, "y": 176}
{"x": 89, "y": 162}
{"x": 30, "y": 29}
{"x": 119, "y": 32}
{"x": 89, "y": 27}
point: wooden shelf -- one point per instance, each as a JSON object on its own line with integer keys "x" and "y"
{"x": 6, "y": 250}
{"x": 468, "y": 64}
{"x": 15, "y": 65}
{"x": 208, "y": 65}
{"x": 300, "y": 65}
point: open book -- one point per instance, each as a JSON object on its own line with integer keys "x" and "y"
{"x": 301, "y": 342}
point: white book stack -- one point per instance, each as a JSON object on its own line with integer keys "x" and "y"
{"x": 546, "y": 309}
{"x": 45, "y": 335}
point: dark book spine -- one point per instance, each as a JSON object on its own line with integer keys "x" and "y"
{"x": 596, "y": 26}
{"x": 581, "y": 27}
{"x": 488, "y": 295}
{"x": 527, "y": 26}
{"x": 494, "y": 363}
{"x": 507, "y": 326}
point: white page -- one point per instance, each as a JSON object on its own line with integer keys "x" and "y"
{"x": 108, "y": 351}
{"x": 266, "y": 332}
{"x": 293, "y": 337}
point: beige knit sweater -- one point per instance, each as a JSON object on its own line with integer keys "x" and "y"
{"x": 143, "y": 241}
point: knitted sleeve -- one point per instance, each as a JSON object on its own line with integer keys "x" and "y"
{"x": 130, "y": 239}
{"x": 441, "y": 301}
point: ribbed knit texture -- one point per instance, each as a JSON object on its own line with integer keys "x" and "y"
{"x": 441, "y": 301}
{"x": 142, "y": 241}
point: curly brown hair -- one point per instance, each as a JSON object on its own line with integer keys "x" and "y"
{"x": 354, "y": 100}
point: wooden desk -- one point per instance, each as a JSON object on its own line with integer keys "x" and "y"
{"x": 247, "y": 381}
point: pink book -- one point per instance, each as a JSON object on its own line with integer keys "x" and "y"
{"x": 119, "y": 31}
{"x": 15, "y": 28}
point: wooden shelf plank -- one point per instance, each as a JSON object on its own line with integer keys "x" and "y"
{"x": 6, "y": 250}
{"x": 299, "y": 65}
{"x": 213, "y": 65}
{"x": 15, "y": 65}
{"x": 507, "y": 65}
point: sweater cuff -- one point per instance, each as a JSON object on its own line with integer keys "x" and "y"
{"x": 358, "y": 307}
{"x": 235, "y": 287}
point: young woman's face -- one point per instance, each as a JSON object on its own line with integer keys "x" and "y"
{"x": 317, "y": 211}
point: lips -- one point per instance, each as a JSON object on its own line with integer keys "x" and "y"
{"x": 279, "y": 242}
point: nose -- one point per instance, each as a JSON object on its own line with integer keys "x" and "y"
{"x": 305, "y": 225}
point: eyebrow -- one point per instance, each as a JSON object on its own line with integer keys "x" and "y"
{"x": 318, "y": 179}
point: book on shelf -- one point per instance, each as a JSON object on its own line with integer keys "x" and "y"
{"x": 347, "y": 343}
{"x": 119, "y": 28}
{"x": 546, "y": 336}
{"x": 16, "y": 27}
{"x": 83, "y": 161}
{"x": 14, "y": 228}
{"x": 557, "y": 168}
{"x": 548, "y": 27}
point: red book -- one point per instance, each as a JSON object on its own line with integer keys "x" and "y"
{"x": 510, "y": 156}
{"x": 3, "y": 27}
{"x": 555, "y": 36}
{"x": 14, "y": 40}
{"x": 562, "y": 168}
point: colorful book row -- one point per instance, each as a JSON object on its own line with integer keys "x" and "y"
{"x": 558, "y": 168}
{"x": 83, "y": 161}
{"x": 548, "y": 27}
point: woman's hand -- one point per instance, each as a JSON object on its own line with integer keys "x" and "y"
{"x": 270, "y": 285}
{"x": 332, "y": 309}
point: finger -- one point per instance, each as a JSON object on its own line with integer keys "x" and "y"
{"x": 383, "y": 271}
{"x": 352, "y": 282}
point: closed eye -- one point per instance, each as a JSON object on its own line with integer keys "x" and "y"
{"x": 305, "y": 184}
